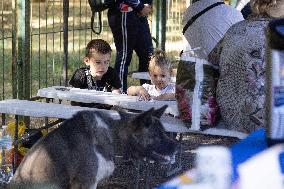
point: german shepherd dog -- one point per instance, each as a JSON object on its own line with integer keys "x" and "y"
{"x": 81, "y": 152}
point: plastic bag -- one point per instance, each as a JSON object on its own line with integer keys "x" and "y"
{"x": 196, "y": 93}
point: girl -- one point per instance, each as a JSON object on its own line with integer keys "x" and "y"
{"x": 160, "y": 70}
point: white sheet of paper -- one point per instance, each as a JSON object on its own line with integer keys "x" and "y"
{"x": 262, "y": 171}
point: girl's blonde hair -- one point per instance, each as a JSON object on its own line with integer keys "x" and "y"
{"x": 160, "y": 59}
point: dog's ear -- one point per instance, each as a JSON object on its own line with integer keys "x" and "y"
{"x": 124, "y": 115}
{"x": 159, "y": 112}
{"x": 144, "y": 119}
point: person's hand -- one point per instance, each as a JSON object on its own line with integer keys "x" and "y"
{"x": 146, "y": 10}
{"x": 116, "y": 91}
{"x": 144, "y": 95}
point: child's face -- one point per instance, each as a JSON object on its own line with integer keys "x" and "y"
{"x": 160, "y": 77}
{"x": 98, "y": 63}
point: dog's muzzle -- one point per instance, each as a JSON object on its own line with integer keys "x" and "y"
{"x": 163, "y": 159}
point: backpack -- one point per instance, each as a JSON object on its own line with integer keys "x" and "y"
{"x": 99, "y": 6}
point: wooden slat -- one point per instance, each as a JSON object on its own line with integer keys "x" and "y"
{"x": 51, "y": 110}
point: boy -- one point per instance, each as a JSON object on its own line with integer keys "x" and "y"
{"x": 97, "y": 75}
{"x": 160, "y": 70}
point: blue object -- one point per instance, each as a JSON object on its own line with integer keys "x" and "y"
{"x": 6, "y": 141}
{"x": 248, "y": 147}
{"x": 281, "y": 160}
{"x": 280, "y": 29}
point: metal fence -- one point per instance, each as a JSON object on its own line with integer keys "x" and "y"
{"x": 33, "y": 51}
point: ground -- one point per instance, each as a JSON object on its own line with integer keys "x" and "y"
{"x": 124, "y": 176}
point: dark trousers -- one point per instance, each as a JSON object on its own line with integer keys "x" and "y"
{"x": 130, "y": 32}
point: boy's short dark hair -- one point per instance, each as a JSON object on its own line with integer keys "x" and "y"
{"x": 97, "y": 45}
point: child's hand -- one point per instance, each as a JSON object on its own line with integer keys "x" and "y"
{"x": 144, "y": 95}
{"x": 116, "y": 91}
{"x": 146, "y": 10}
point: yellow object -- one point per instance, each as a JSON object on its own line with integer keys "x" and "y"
{"x": 23, "y": 150}
{"x": 11, "y": 129}
{"x": 44, "y": 132}
{"x": 185, "y": 179}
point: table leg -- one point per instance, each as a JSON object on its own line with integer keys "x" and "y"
{"x": 3, "y": 119}
{"x": 47, "y": 100}
{"x": 16, "y": 144}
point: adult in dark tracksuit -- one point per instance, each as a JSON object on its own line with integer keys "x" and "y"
{"x": 129, "y": 25}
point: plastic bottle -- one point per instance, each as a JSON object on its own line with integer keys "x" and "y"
{"x": 6, "y": 171}
{"x": 213, "y": 166}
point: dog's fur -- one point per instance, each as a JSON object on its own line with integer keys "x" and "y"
{"x": 81, "y": 151}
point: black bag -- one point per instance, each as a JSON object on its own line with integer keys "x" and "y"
{"x": 99, "y": 6}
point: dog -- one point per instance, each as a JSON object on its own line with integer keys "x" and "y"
{"x": 80, "y": 153}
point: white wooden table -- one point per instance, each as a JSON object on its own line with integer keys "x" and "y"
{"x": 131, "y": 102}
{"x": 92, "y": 96}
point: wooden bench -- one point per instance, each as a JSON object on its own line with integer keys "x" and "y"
{"x": 61, "y": 111}
{"x": 38, "y": 109}
{"x": 52, "y": 110}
